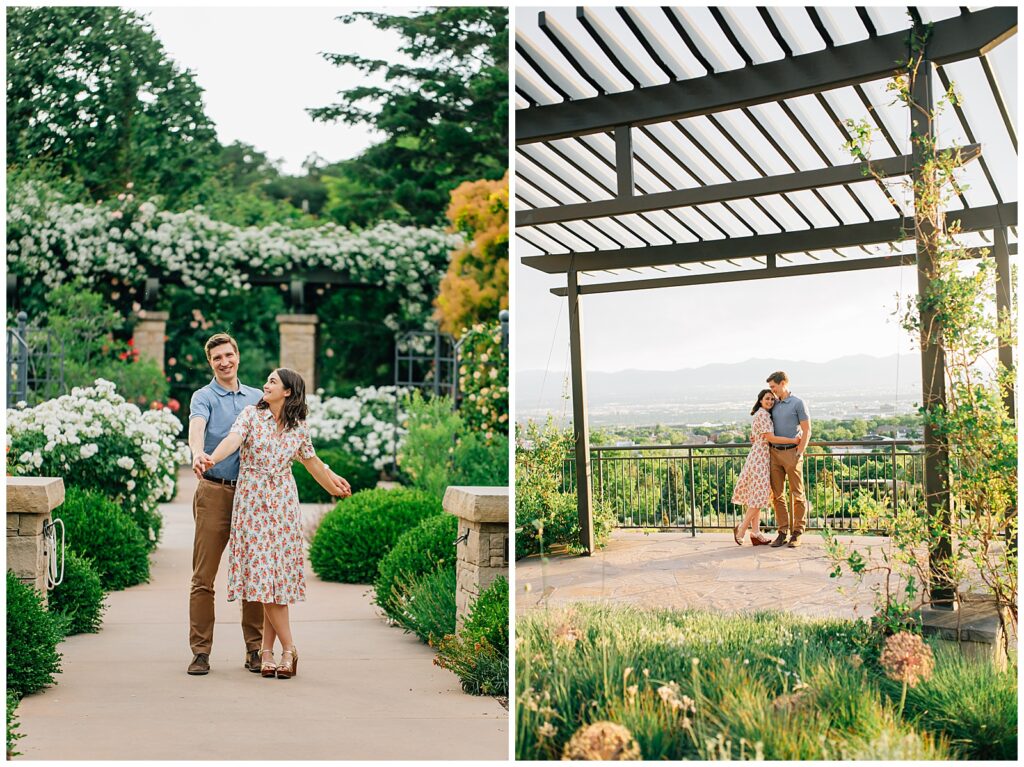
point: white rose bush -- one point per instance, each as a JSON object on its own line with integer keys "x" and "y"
{"x": 363, "y": 425}
{"x": 125, "y": 239}
{"x": 95, "y": 440}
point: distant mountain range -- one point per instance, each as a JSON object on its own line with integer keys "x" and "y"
{"x": 846, "y": 386}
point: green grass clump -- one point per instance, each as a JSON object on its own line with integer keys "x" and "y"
{"x": 426, "y": 606}
{"x": 33, "y": 634}
{"x": 969, "y": 702}
{"x": 701, "y": 685}
{"x": 357, "y": 533}
{"x": 79, "y": 596}
{"x": 96, "y": 528}
{"x": 360, "y": 475}
{"x": 427, "y": 547}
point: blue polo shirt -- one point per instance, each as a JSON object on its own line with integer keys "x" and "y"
{"x": 220, "y": 407}
{"x": 787, "y": 415}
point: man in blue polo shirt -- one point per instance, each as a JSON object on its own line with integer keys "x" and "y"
{"x": 211, "y": 414}
{"x": 789, "y": 417}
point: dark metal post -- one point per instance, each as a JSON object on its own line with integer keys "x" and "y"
{"x": 1004, "y": 297}
{"x": 580, "y": 426}
{"x": 624, "y": 160}
{"x": 927, "y": 223}
{"x": 22, "y": 357}
{"x": 437, "y": 363}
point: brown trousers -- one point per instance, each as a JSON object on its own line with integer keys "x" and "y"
{"x": 785, "y": 465}
{"x": 211, "y": 510}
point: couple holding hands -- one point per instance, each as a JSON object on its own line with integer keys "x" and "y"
{"x": 243, "y": 442}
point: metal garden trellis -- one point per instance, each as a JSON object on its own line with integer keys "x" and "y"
{"x": 614, "y": 164}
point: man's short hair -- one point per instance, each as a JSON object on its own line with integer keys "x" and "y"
{"x": 777, "y": 377}
{"x": 219, "y": 339}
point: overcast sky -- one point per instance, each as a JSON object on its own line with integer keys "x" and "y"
{"x": 261, "y": 69}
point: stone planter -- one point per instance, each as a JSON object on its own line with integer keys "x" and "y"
{"x": 482, "y": 551}
{"x": 29, "y": 503}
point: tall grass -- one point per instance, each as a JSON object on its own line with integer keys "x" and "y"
{"x": 770, "y": 686}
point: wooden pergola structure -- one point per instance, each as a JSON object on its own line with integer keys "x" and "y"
{"x": 663, "y": 147}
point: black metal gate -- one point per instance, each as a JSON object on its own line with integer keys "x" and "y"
{"x": 35, "y": 363}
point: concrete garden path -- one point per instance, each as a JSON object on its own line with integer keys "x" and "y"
{"x": 676, "y": 570}
{"x": 365, "y": 690}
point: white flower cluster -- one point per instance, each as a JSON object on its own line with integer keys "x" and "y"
{"x": 68, "y": 428}
{"x": 57, "y": 241}
{"x": 365, "y": 423}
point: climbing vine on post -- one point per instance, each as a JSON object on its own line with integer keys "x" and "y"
{"x": 955, "y": 311}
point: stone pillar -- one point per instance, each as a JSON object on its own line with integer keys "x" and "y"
{"x": 482, "y": 553}
{"x": 150, "y": 333}
{"x": 976, "y": 629}
{"x": 29, "y": 503}
{"x": 298, "y": 345}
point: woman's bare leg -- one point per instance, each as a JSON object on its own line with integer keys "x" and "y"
{"x": 269, "y": 635}
{"x": 748, "y": 519}
{"x": 278, "y": 617}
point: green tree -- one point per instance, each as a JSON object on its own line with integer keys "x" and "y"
{"x": 445, "y": 117}
{"x": 92, "y": 93}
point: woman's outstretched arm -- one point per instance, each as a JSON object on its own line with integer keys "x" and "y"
{"x": 227, "y": 446}
{"x": 337, "y": 486}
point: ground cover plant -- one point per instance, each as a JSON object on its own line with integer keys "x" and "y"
{"x": 357, "y": 533}
{"x": 700, "y": 685}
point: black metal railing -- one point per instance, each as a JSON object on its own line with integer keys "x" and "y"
{"x": 691, "y": 486}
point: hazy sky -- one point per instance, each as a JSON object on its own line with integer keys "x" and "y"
{"x": 815, "y": 318}
{"x": 261, "y": 69}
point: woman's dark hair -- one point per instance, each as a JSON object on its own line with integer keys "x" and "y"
{"x": 295, "y": 410}
{"x": 760, "y": 397}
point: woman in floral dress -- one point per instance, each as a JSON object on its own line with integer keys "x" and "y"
{"x": 266, "y": 562}
{"x": 753, "y": 487}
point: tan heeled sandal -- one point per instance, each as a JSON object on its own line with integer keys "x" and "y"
{"x": 289, "y": 669}
{"x": 268, "y": 669}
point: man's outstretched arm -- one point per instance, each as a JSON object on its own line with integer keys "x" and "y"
{"x": 196, "y": 443}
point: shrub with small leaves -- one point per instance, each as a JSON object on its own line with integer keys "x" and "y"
{"x": 357, "y": 533}
{"x": 79, "y": 596}
{"x": 425, "y": 548}
{"x": 99, "y": 530}
{"x": 33, "y": 634}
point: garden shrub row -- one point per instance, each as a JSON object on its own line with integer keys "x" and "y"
{"x": 479, "y": 654}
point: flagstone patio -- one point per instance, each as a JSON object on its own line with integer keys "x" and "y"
{"x": 677, "y": 570}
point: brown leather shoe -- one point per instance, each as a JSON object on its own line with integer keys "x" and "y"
{"x": 780, "y": 541}
{"x": 794, "y": 542}
{"x": 736, "y": 535}
{"x": 200, "y": 664}
{"x": 252, "y": 661}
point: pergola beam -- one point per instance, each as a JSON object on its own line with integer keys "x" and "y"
{"x": 876, "y": 58}
{"x": 853, "y": 235}
{"x": 767, "y": 273}
{"x": 733, "y": 190}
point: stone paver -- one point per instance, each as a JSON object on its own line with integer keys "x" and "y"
{"x": 364, "y": 690}
{"x": 678, "y": 571}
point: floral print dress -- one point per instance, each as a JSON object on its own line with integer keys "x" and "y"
{"x": 753, "y": 487}
{"x": 265, "y": 560}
